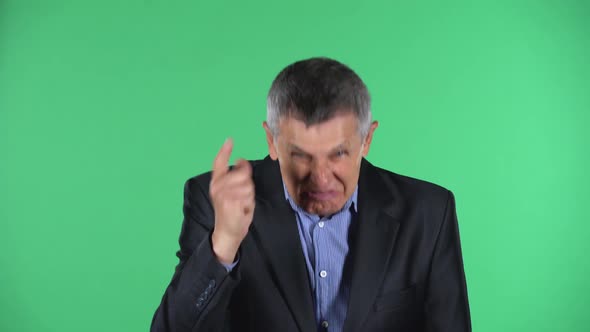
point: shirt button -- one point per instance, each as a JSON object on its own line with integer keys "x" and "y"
{"x": 323, "y": 273}
{"x": 325, "y": 324}
{"x": 321, "y": 224}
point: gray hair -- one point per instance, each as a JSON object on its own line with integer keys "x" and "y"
{"x": 314, "y": 91}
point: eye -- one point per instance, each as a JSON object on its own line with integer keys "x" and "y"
{"x": 299, "y": 155}
{"x": 341, "y": 153}
{"x": 296, "y": 154}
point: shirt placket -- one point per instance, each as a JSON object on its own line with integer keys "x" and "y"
{"x": 321, "y": 271}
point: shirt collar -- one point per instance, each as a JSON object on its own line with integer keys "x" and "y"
{"x": 352, "y": 200}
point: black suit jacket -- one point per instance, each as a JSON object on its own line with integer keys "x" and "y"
{"x": 406, "y": 260}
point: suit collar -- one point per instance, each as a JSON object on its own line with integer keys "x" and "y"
{"x": 268, "y": 181}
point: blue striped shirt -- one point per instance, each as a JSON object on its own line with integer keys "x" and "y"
{"x": 325, "y": 247}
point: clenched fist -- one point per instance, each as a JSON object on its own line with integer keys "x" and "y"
{"x": 232, "y": 194}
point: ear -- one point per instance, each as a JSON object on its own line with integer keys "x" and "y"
{"x": 272, "y": 149}
{"x": 369, "y": 138}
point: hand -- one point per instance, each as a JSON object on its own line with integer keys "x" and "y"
{"x": 232, "y": 194}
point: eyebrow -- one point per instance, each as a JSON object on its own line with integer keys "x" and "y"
{"x": 298, "y": 149}
{"x": 341, "y": 146}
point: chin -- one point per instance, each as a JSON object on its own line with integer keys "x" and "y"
{"x": 323, "y": 208}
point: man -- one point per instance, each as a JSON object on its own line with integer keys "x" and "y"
{"x": 314, "y": 237}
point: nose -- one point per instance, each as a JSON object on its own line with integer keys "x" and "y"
{"x": 320, "y": 174}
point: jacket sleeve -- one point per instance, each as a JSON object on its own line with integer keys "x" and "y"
{"x": 198, "y": 295}
{"x": 447, "y": 307}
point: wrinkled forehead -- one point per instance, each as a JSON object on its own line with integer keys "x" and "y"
{"x": 319, "y": 115}
{"x": 339, "y": 131}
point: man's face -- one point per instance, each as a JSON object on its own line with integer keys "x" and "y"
{"x": 320, "y": 164}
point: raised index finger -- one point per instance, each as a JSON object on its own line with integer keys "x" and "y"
{"x": 221, "y": 161}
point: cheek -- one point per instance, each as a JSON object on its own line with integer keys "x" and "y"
{"x": 344, "y": 174}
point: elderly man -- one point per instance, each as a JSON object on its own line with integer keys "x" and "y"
{"x": 314, "y": 237}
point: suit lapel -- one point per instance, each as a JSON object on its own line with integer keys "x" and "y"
{"x": 275, "y": 231}
{"x": 375, "y": 234}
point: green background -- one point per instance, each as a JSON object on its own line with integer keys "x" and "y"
{"x": 107, "y": 107}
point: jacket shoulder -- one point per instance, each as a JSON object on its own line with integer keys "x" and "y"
{"x": 414, "y": 189}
